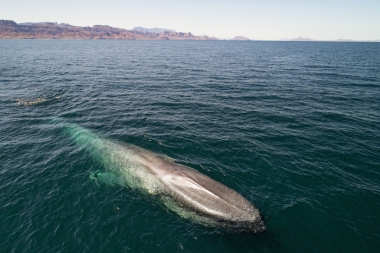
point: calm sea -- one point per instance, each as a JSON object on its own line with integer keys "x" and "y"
{"x": 292, "y": 126}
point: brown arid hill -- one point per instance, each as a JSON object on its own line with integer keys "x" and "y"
{"x": 11, "y": 30}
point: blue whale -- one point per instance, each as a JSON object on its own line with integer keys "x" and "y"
{"x": 182, "y": 189}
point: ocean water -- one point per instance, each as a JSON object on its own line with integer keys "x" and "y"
{"x": 294, "y": 127}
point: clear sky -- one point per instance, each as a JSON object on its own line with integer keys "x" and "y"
{"x": 267, "y": 20}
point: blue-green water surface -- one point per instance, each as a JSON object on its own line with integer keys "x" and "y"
{"x": 292, "y": 126}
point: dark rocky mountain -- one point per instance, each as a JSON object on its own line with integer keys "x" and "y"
{"x": 7, "y": 23}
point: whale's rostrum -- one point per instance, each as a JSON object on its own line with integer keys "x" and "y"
{"x": 181, "y": 189}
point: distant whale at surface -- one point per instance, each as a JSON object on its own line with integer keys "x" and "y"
{"x": 183, "y": 190}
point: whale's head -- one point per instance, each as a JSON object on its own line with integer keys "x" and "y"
{"x": 256, "y": 225}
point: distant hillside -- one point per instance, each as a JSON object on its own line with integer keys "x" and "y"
{"x": 51, "y": 30}
{"x": 240, "y": 38}
{"x": 301, "y": 39}
{"x": 152, "y": 30}
{"x": 344, "y": 40}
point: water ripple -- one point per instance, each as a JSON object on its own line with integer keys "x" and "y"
{"x": 293, "y": 127}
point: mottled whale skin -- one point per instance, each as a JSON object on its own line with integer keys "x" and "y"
{"x": 182, "y": 189}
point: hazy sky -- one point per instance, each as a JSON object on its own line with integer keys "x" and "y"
{"x": 268, "y": 20}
